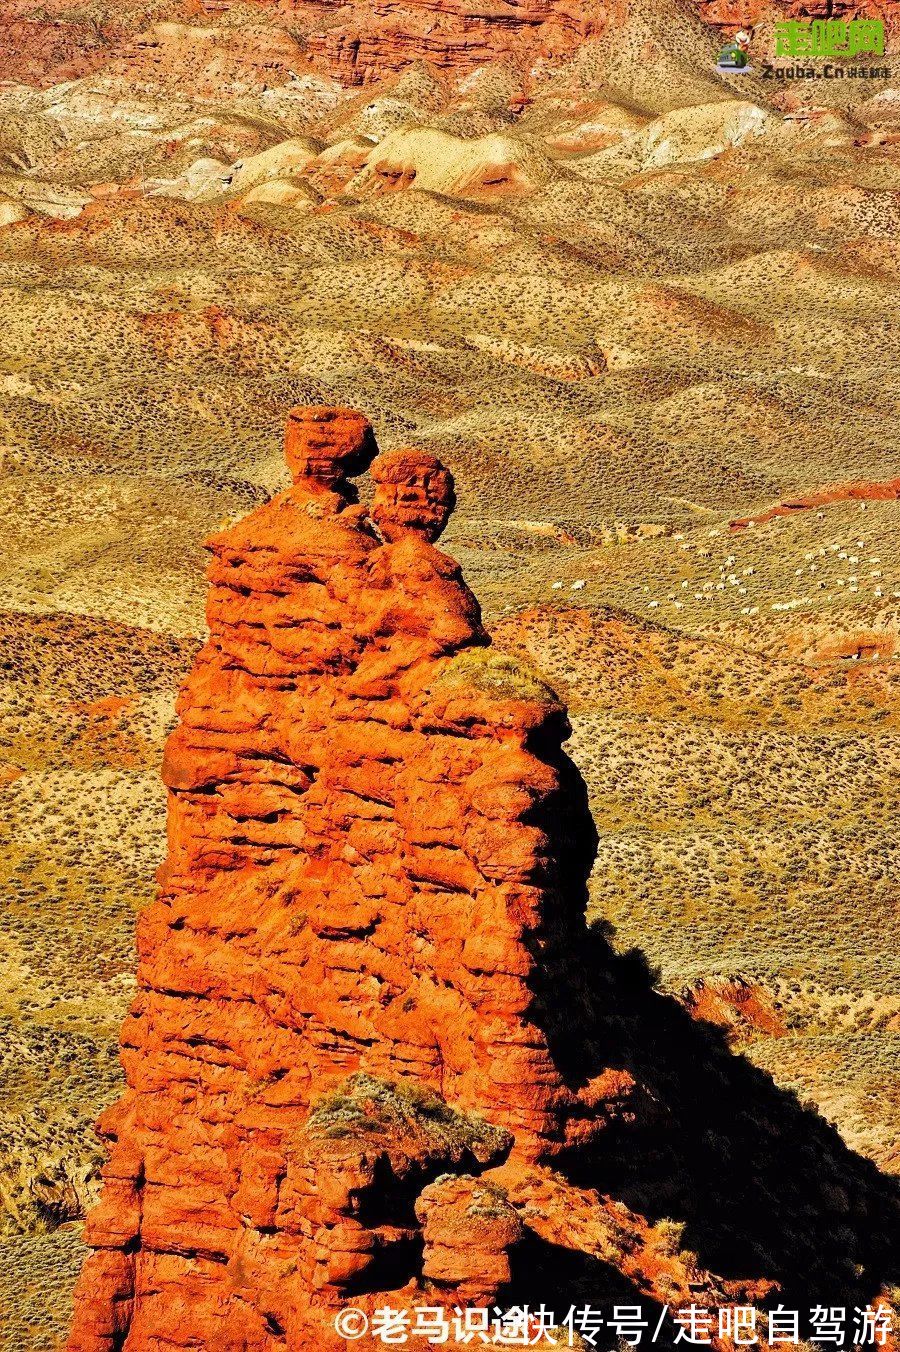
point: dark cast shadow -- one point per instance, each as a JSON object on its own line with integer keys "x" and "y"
{"x": 766, "y": 1189}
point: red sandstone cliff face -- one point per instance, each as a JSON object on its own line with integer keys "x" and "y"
{"x": 356, "y": 43}
{"x": 360, "y": 45}
{"x": 350, "y": 983}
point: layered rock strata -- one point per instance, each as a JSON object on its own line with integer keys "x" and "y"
{"x": 356, "y": 987}
{"x": 359, "y": 44}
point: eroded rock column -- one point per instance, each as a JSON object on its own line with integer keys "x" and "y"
{"x": 363, "y": 901}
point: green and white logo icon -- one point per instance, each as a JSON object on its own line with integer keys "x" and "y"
{"x": 733, "y": 57}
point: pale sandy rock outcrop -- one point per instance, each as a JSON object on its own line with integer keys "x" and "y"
{"x": 278, "y": 161}
{"x": 281, "y": 192}
{"x": 11, "y": 210}
{"x": 435, "y": 161}
{"x": 689, "y": 134}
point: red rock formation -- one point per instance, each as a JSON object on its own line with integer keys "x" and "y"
{"x": 368, "y": 895}
{"x": 49, "y": 43}
{"x": 743, "y": 1008}
{"x": 360, "y": 44}
{"x": 370, "y": 1017}
{"x": 355, "y": 42}
{"x": 469, "y": 1229}
{"x": 857, "y": 490}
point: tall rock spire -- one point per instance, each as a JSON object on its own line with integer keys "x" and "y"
{"x": 354, "y": 979}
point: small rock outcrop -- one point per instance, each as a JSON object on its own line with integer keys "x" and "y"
{"x": 355, "y": 991}
{"x": 469, "y": 1230}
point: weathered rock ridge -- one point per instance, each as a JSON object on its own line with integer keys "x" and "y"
{"x": 361, "y": 970}
{"x": 360, "y": 45}
{"x": 356, "y": 43}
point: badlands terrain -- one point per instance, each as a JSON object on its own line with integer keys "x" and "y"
{"x": 647, "y": 314}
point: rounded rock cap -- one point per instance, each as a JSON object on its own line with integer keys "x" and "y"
{"x": 328, "y": 445}
{"x": 414, "y": 494}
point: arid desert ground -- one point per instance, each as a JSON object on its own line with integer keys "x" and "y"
{"x": 645, "y": 312}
